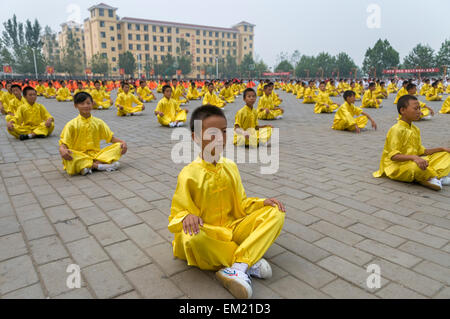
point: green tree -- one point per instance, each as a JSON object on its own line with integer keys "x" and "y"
{"x": 381, "y": 56}
{"x": 345, "y": 65}
{"x": 185, "y": 64}
{"x": 127, "y": 61}
{"x": 284, "y": 66}
{"x": 306, "y": 66}
{"x": 99, "y": 64}
{"x": 443, "y": 56}
{"x": 421, "y": 56}
{"x": 72, "y": 61}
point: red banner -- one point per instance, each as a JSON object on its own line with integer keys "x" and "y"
{"x": 179, "y": 72}
{"x": 429, "y": 70}
{"x": 88, "y": 71}
{"x": 277, "y": 74}
{"x": 122, "y": 71}
{"x": 7, "y": 69}
{"x": 50, "y": 70}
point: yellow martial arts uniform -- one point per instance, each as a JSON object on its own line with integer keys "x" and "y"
{"x": 177, "y": 95}
{"x": 50, "y": 92}
{"x": 40, "y": 89}
{"x": 432, "y": 94}
{"x": 101, "y": 99}
{"x": 322, "y": 99}
{"x": 247, "y": 119}
{"x": 213, "y": 99}
{"x": 266, "y": 102}
{"x": 227, "y": 94}
{"x": 30, "y": 119}
{"x": 260, "y": 89}
{"x": 193, "y": 94}
{"x": 379, "y": 93}
{"x": 127, "y": 100}
{"x": 172, "y": 112}
{"x": 345, "y": 118}
{"x": 82, "y": 137}
{"x": 12, "y": 106}
{"x": 370, "y": 100}
{"x": 424, "y": 89}
{"x": 6, "y": 99}
{"x": 236, "y": 229}
{"x": 400, "y": 93}
{"x": 309, "y": 97}
{"x": 405, "y": 139}
{"x": 392, "y": 88}
{"x": 445, "y": 107}
{"x": 145, "y": 94}
{"x": 63, "y": 95}
{"x": 300, "y": 92}
{"x": 82, "y": 90}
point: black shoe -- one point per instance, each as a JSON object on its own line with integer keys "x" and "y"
{"x": 24, "y": 137}
{"x": 41, "y": 136}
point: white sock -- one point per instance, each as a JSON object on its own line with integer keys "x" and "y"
{"x": 180, "y": 124}
{"x": 105, "y": 167}
{"x": 172, "y": 124}
{"x": 30, "y": 135}
{"x": 241, "y": 267}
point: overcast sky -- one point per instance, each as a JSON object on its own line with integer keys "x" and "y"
{"x": 282, "y": 25}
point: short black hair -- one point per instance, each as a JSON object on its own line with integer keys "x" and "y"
{"x": 204, "y": 112}
{"x": 403, "y": 102}
{"x": 16, "y": 86}
{"x": 26, "y": 89}
{"x": 348, "y": 94}
{"x": 372, "y": 84}
{"x": 247, "y": 91}
{"x": 410, "y": 86}
{"x": 165, "y": 87}
{"x": 270, "y": 84}
{"x": 97, "y": 82}
{"x": 81, "y": 97}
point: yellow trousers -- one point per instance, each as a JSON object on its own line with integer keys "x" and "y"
{"x": 263, "y": 115}
{"x": 81, "y": 160}
{"x": 131, "y": 110}
{"x": 64, "y": 99}
{"x": 439, "y": 166}
{"x": 245, "y": 241}
{"x": 342, "y": 125}
{"x": 41, "y": 129}
{"x": 179, "y": 117}
{"x": 104, "y": 104}
{"x": 260, "y": 136}
{"x": 322, "y": 109}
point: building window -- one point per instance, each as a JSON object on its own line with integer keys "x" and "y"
{"x": 155, "y": 58}
{"x": 198, "y": 32}
{"x": 118, "y": 27}
{"x": 114, "y": 59}
{"x": 138, "y": 37}
{"x": 204, "y": 33}
{"x": 251, "y": 38}
{"x": 130, "y": 47}
{"x": 234, "y": 44}
{"x": 147, "y": 47}
{"x": 245, "y": 39}
{"x": 217, "y": 34}
{"x": 93, "y": 13}
{"x": 154, "y": 38}
{"x": 198, "y": 50}
{"x": 169, "y": 39}
{"x": 204, "y": 60}
{"x": 217, "y": 51}
{"x": 105, "y": 55}
{"x": 177, "y": 30}
{"x": 198, "y": 42}
{"x": 111, "y": 13}
{"x": 155, "y": 48}
{"x": 113, "y": 49}
{"x": 154, "y": 28}
{"x": 251, "y": 45}
{"x": 129, "y": 26}
{"x": 169, "y": 48}
{"x": 119, "y": 37}
{"x": 102, "y": 34}
{"x": 146, "y": 37}
{"x": 101, "y": 12}
{"x": 188, "y": 35}
{"x": 103, "y": 45}
{"x": 147, "y": 57}
{"x": 217, "y": 42}
{"x": 169, "y": 30}
{"x": 130, "y": 36}
{"x": 111, "y": 28}
{"x": 114, "y": 69}
{"x": 161, "y": 39}
{"x": 138, "y": 47}
{"x": 198, "y": 59}
{"x": 120, "y": 47}
{"x": 161, "y": 29}
{"x": 234, "y": 52}
{"x": 204, "y": 51}
{"x": 245, "y": 28}
{"x": 228, "y": 35}
{"x": 178, "y": 50}
{"x": 251, "y": 29}
{"x": 162, "y": 49}
{"x": 234, "y": 36}
{"x": 113, "y": 39}
{"x": 210, "y": 42}
{"x": 210, "y": 34}
{"x": 178, "y": 40}
{"x": 204, "y": 42}
{"x": 102, "y": 24}
{"x": 146, "y": 27}
{"x": 138, "y": 27}
{"x": 211, "y": 51}
{"x": 210, "y": 60}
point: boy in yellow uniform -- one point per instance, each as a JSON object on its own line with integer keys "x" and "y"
{"x": 227, "y": 93}
{"x": 177, "y": 93}
{"x": 309, "y": 97}
{"x": 193, "y": 92}
{"x": 246, "y": 126}
{"x": 79, "y": 145}
{"x": 145, "y": 94}
{"x": 381, "y": 91}
{"x": 216, "y": 226}
{"x": 14, "y": 102}
{"x": 301, "y": 91}
{"x": 168, "y": 110}
{"x": 31, "y": 119}
{"x": 267, "y": 109}
{"x": 402, "y": 91}
{"x": 433, "y": 93}
{"x": 425, "y": 87}
{"x": 446, "y": 106}
{"x": 369, "y": 99}
{"x": 355, "y": 88}
{"x": 40, "y": 88}
{"x": 392, "y": 87}
{"x": 125, "y": 101}
{"x": 50, "y": 92}
{"x": 426, "y": 112}
{"x": 80, "y": 89}
{"x": 323, "y": 102}
{"x": 404, "y": 157}
{"x": 63, "y": 94}
{"x": 102, "y": 100}
{"x": 212, "y": 99}
{"x": 351, "y": 118}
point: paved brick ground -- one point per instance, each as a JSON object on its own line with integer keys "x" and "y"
{"x": 114, "y": 225}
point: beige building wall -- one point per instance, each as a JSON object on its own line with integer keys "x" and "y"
{"x": 78, "y": 34}
{"x": 151, "y": 40}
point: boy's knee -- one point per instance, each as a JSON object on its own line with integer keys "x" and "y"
{"x": 194, "y": 240}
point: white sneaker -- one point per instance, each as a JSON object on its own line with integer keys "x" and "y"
{"x": 434, "y": 184}
{"x": 113, "y": 167}
{"x": 138, "y": 113}
{"x": 445, "y": 181}
{"x": 261, "y": 270}
{"x": 238, "y": 283}
{"x": 85, "y": 171}
{"x": 172, "y": 125}
{"x": 427, "y": 118}
{"x": 100, "y": 107}
{"x": 181, "y": 124}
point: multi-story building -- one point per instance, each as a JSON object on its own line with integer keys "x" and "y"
{"x": 50, "y": 48}
{"x": 151, "y": 40}
{"x": 77, "y": 33}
